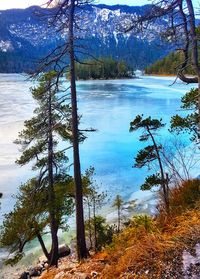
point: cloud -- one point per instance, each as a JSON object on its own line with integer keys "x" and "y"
{"x": 9, "y": 4}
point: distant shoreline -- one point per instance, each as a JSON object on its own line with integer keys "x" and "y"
{"x": 161, "y": 75}
{"x": 117, "y": 78}
{"x": 165, "y": 75}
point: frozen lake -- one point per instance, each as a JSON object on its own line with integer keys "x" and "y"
{"x": 107, "y": 106}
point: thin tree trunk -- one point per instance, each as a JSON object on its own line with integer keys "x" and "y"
{"x": 164, "y": 186}
{"x": 80, "y": 228}
{"x": 198, "y": 106}
{"x": 51, "y": 194}
{"x": 22, "y": 244}
{"x": 119, "y": 217}
{"x": 195, "y": 55}
{"x": 95, "y": 226}
{"x": 44, "y": 249}
{"x": 90, "y": 227}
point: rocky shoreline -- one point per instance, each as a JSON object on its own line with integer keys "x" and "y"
{"x": 36, "y": 270}
{"x": 140, "y": 202}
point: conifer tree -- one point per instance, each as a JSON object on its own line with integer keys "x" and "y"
{"x": 118, "y": 202}
{"x": 93, "y": 200}
{"x": 182, "y": 29}
{"x": 189, "y": 122}
{"x": 63, "y": 57}
{"x": 151, "y": 153}
{"x": 39, "y": 140}
{"x": 30, "y": 217}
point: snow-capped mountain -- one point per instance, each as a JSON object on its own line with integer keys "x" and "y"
{"x": 25, "y": 36}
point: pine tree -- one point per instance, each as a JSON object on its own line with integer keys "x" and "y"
{"x": 151, "y": 153}
{"x": 188, "y": 123}
{"x": 30, "y": 217}
{"x": 93, "y": 201}
{"x": 118, "y": 202}
{"x": 40, "y": 139}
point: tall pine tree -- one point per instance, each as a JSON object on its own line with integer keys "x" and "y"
{"x": 39, "y": 140}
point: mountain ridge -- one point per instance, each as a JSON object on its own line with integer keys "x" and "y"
{"x": 24, "y": 37}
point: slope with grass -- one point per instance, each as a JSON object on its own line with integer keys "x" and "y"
{"x": 159, "y": 247}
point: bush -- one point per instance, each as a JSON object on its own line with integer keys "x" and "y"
{"x": 185, "y": 196}
{"x": 99, "y": 232}
{"x": 143, "y": 221}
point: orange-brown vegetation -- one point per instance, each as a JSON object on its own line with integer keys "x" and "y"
{"x": 137, "y": 253}
{"x": 184, "y": 196}
{"x": 151, "y": 247}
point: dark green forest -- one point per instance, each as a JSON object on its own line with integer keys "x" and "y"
{"x": 105, "y": 68}
{"x": 168, "y": 65}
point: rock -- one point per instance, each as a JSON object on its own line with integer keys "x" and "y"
{"x": 42, "y": 264}
{"x": 46, "y": 266}
{"x": 24, "y": 275}
{"x": 33, "y": 272}
{"x": 64, "y": 250}
{"x": 40, "y": 267}
{"x": 94, "y": 274}
{"x": 42, "y": 260}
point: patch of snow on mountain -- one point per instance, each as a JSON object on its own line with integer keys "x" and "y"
{"x": 115, "y": 36}
{"x": 5, "y": 46}
{"x": 104, "y": 14}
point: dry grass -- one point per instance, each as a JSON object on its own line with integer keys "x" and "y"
{"x": 150, "y": 248}
{"x": 49, "y": 274}
{"x": 184, "y": 196}
{"x": 137, "y": 253}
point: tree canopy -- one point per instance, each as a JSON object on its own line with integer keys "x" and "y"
{"x": 39, "y": 140}
{"x": 150, "y": 154}
{"x": 105, "y": 68}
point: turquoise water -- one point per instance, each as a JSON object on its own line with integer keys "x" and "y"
{"x": 107, "y": 106}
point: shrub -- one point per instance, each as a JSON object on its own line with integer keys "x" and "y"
{"x": 143, "y": 221}
{"x": 185, "y": 196}
{"x": 101, "y": 232}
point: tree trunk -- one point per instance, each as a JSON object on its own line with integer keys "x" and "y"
{"x": 44, "y": 249}
{"x": 51, "y": 194}
{"x": 119, "y": 217}
{"x": 80, "y": 227}
{"x": 21, "y": 246}
{"x": 95, "y": 225}
{"x": 89, "y": 224}
{"x": 164, "y": 186}
{"x": 195, "y": 55}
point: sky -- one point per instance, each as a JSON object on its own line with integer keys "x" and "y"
{"x": 8, "y": 4}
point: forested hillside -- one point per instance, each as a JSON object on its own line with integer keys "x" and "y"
{"x": 26, "y": 36}
{"x": 168, "y": 65}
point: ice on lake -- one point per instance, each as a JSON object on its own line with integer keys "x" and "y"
{"x": 107, "y": 106}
